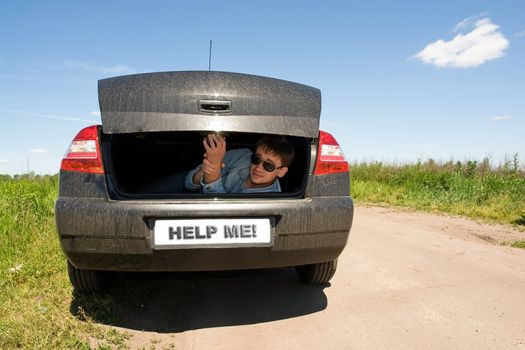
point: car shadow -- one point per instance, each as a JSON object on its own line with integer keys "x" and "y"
{"x": 178, "y": 302}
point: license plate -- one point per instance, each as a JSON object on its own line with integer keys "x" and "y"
{"x": 212, "y": 233}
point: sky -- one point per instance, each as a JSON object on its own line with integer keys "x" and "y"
{"x": 400, "y": 80}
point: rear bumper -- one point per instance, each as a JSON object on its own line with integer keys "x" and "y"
{"x": 117, "y": 235}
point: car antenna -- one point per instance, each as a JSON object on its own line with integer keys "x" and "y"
{"x": 209, "y": 61}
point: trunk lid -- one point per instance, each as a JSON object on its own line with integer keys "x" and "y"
{"x": 208, "y": 101}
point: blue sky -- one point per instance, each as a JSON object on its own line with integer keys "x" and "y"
{"x": 400, "y": 80}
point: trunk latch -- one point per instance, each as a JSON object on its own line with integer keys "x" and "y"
{"x": 215, "y": 106}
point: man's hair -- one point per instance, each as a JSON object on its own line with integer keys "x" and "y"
{"x": 278, "y": 145}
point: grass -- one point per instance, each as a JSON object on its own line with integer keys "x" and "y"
{"x": 519, "y": 244}
{"x": 473, "y": 189}
{"x": 36, "y": 298}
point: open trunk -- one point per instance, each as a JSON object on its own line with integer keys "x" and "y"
{"x": 154, "y": 164}
{"x": 153, "y": 125}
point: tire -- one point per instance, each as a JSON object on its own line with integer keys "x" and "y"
{"x": 320, "y": 273}
{"x": 86, "y": 281}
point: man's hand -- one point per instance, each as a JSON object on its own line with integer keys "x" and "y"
{"x": 215, "y": 146}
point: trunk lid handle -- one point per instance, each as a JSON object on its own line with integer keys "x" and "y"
{"x": 215, "y": 106}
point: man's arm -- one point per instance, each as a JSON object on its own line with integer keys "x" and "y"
{"x": 210, "y": 170}
{"x": 188, "y": 181}
{"x": 197, "y": 176}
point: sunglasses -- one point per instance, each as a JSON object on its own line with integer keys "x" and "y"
{"x": 269, "y": 167}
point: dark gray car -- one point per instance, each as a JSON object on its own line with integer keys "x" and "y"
{"x": 121, "y": 208}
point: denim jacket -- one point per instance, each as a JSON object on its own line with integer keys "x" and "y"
{"x": 235, "y": 172}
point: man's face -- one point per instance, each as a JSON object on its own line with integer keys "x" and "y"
{"x": 260, "y": 176}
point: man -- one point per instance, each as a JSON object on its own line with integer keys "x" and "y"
{"x": 241, "y": 170}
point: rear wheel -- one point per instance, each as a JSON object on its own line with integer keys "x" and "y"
{"x": 86, "y": 281}
{"x": 317, "y": 273}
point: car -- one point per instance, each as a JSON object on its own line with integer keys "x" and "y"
{"x": 110, "y": 218}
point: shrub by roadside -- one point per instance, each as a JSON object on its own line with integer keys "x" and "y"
{"x": 473, "y": 189}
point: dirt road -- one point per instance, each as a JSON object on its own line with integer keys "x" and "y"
{"x": 405, "y": 281}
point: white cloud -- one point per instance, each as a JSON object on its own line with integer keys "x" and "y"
{"x": 38, "y": 151}
{"x": 90, "y": 67}
{"x": 500, "y": 117}
{"x": 519, "y": 34}
{"x": 95, "y": 113}
{"x": 464, "y": 23}
{"x": 5, "y": 161}
{"x": 484, "y": 43}
{"x": 469, "y": 21}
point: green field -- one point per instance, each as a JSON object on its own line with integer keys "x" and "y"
{"x": 38, "y": 309}
{"x": 36, "y": 297}
{"x": 472, "y": 189}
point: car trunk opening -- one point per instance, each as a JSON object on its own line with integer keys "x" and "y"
{"x": 154, "y": 164}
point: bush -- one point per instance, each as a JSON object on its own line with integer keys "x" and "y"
{"x": 469, "y": 188}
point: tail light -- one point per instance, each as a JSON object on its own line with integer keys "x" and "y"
{"x": 83, "y": 154}
{"x": 330, "y": 157}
